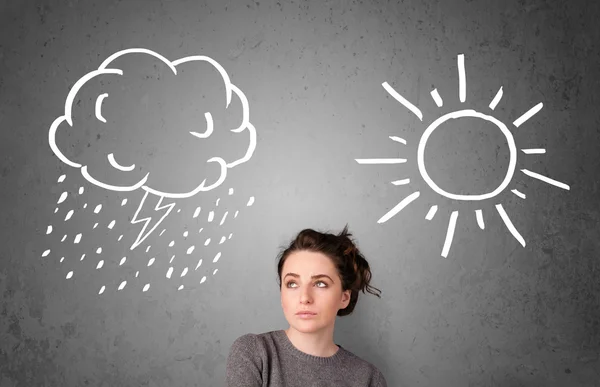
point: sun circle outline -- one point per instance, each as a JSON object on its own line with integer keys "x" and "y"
{"x": 460, "y": 114}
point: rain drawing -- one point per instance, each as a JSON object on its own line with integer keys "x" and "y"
{"x": 426, "y": 177}
{"x": 160, "y": 133}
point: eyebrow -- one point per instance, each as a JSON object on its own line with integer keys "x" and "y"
{"x": 312, "y": 277}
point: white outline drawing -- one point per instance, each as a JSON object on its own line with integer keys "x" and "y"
{"x": 230, "y": 90}
{"x": 423, "y": 171}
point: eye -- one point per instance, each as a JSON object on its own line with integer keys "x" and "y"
{"x": 318, "y": 282}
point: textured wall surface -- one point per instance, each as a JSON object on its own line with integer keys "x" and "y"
{"x": 79, "y": 307}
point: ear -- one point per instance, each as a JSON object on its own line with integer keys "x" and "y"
{"x": 346, "y": 298}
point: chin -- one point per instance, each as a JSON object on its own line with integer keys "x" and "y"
{"x": 308, "y": 326}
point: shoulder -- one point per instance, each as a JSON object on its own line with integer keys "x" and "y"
{"x": 245, "y": 339}
{"x": 245, "y": 363}
{"x": 361, "y": 366}
{"x": 251, "y": 342}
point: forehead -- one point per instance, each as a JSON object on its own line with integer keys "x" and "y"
{"x": 308, "y": 263}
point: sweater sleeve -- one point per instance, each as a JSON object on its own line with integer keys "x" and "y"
{"x": 379, "y": 380}
{"x": 244, "y": 365}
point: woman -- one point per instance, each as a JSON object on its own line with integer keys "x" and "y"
{"x": 320, "y": 276}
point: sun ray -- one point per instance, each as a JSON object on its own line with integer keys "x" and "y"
{"x": 398, "y": 139}
{"x": 402, "y": 100}
{"x": 509, "y": 224}
{"x": 546, "y": 179}
{"x": 479, "y": 217}
{"x": 519, "y": 194}
{"x": 436, "y": 97}
{"x": 496, "y": 99}
{"x": 462, "y": 90}
{"x": 380, "y": 161}
{"x": 401, "y": 182}
{"x": 431, "y": 212}
{"x": 449, "y": 233}
{"x": 399, "y": 207}
{"x": 519, "y": 121}
{"x": 533, "y": 151}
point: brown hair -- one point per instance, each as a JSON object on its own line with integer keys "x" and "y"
{"x": 351, "y": 265}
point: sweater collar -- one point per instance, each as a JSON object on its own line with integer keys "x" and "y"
{"x": 289, "y": 346}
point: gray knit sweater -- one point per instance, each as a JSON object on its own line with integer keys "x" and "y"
{"x": 271, "y": 360}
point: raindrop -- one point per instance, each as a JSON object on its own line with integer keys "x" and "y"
{"x": 45, "y": 253}
{"x": 215, "y": 272}
{"x": 148, "y": 248}
{"x": 189, "y": 251}
{"x": 82, "y": 256}
{"x": 61, "y": 178}
{"x": 70, "y": 274}
{"x": 122, "y": 261}
{"x": 146, "y": 287}
{"x": 198, "y": 265}
{"x": 137, "y": 273}
{"x": 196, "y": 212}
{"x": 211, "y": 215}
{"x": 84, "y": 205}
{"x": 172, "y": 244}
{"x": 111, "y": 225}
{"x": 217, "y": 257}
{"x": 185, "y": 234}
{"x": 100, "y": 264}
{"x": 122, "y": 285}
{"x": 77, "y": 238}
{"x": 96, "y": 225}
{"x": 180, "y": 287}
{"x": 203, "y": 279}
{"x": 184, "y": 272}
{"x": 123, "y": 202}
{"x": 236, "y": 214}
{"x": 201, "y": 228}
{"x": 69, "y": 214}
{"x": 49, "y": 230}
{"x": 230, "y": 235}
{"x": 172, "y": 258}
{"x": 169, "y": 272}
{"x": 102, "y": 290}
{"x": 98, "y": 208}
{"x": 231, "y": 191}
{"x": 99, "y": 250}
{"x": 56, "y": 210}
{"x": 222, "y": 240}
{"x": 217, "y": 202}
{"x": 207, "y": 242}
{"x": 120, "y": 237}
{"x": 80, "y": 190}
{"x": 62, "y": 198}
{"x": 224, "y": 217}
{"x": 62, "y": 259}
{"x": 63, "y": 238}
{"x": 250, "y": 201}
{"x": 151, "y": 261}
{"x": 162, "y": 232}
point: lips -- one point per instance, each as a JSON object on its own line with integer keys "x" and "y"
{"x": 306, "y": 312}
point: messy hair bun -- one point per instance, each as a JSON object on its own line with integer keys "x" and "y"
{"x": 351, "y": 265}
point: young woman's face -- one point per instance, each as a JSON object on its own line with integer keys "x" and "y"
{"x": 300, "y": 291}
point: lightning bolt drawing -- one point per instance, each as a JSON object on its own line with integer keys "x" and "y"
{"x": 143, "y": 234}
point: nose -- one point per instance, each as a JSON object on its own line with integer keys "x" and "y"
{"x": 306, "y": 295}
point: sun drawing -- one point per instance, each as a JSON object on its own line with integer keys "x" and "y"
{"x": 423, "y": 171}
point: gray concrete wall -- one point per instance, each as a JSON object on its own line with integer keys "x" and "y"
{"x": 491, "y": 313}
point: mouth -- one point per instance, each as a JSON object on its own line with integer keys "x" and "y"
{"x": 305, "y": 314}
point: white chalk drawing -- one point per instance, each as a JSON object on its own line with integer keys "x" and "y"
{"x": 158, "y": 210}
{"x": 423, "y": 170}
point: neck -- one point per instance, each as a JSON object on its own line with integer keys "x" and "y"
{"x": 319, "y": 343}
